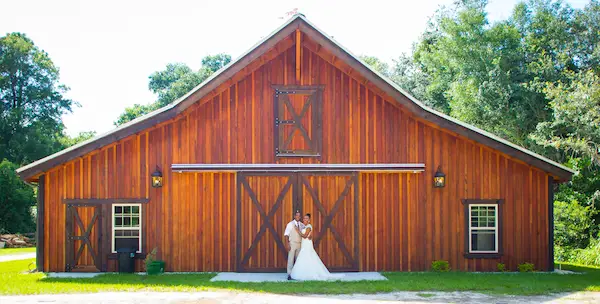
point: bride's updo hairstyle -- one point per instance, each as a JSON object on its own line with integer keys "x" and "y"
{"x": 308, "y": 214}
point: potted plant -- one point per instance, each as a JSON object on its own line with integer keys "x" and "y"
{"x": 154, "y": 266}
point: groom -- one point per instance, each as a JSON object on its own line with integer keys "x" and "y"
{"x": 293, "y": 241}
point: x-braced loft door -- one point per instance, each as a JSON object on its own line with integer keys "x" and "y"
{"x": 266, "y": 202}
{"x": 84, "y": 237}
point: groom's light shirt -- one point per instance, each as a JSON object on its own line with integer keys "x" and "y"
{"x": 290, "y": 227}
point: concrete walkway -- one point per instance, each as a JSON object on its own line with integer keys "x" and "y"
{"x": 16, "y": 257}
{"x": 231, "y": 297}
{"x": 282, "y": 277}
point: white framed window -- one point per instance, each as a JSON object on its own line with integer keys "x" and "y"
{"x": 127, "y": 227}
{"x": 483, "y": 228}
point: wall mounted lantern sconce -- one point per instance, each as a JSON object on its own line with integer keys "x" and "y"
{"x": 157, "y": 178}
{"x": 439, "y": 179}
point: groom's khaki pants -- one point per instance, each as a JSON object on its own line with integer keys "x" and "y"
{"x": 292, "y": 255}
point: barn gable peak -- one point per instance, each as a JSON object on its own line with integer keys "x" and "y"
{"x": 297, "y": 22}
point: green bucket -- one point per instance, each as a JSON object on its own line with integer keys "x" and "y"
{"x": 155, "y": 267}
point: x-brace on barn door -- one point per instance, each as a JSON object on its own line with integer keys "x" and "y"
{"x": 84, "y": 237}
{"x": 266, "y": 202}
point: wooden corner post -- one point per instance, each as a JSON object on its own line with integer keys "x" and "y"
{"x": 39, "y": 232}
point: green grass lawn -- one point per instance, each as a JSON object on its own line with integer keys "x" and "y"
{"x": 14, "y": 281}
{"x": 7, "y": 251}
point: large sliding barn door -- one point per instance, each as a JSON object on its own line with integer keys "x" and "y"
{"x": 332, "y": 201}
{"x": 265, "y": 206}
{"x": 267, "y": 202}
{"x": 84, "y": 237}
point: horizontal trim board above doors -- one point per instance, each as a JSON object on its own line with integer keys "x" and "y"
{"x": 99, "y": 201}
{"x": 415, "y": 168}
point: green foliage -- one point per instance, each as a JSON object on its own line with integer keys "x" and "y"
{"x": 32, "y": 101}
{"x": 14, "y": 281}
{"x": 479, "y": 70}
{"x": 377, "y": 64}
{"x": 440, "y": 266}
{"x": 501, "y": 267}
{"x": 533, "y": 79}
{"x": 134, "y": 112}
{"x": 572, "y": 223}
{"x": 589, "y": 255}
{"x": 15, "y": 202}
{"x": 151, "y": 257}
{"x": 526, "y": 267}
{"x": 575, "y": 125}
{"x": 68, "y": 141}
{"x": 215, "y": 62}
{"x": 173, "y": 82}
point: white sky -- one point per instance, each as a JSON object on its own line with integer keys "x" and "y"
{"x": 107, "y": 49}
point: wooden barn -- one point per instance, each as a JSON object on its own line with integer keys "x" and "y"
{"x": 297, "y": 122}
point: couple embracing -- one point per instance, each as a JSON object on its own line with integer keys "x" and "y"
{"x": 304, "y": 263}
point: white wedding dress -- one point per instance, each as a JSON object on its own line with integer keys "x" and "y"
{"x": 308, "y": 266}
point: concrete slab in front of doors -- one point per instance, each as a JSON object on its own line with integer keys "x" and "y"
{"x": 282, "y": 277}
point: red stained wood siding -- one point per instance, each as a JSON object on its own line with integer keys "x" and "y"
{"x": 404, "y": 223}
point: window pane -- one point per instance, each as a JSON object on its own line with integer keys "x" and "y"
{"x": 127, "y": 222}
{"x": 135, "y": 221}
{"x": 483, "y": 240}
{"x": 135, "y": 209}
{"x": 118, "y": 222}
{"x": 118, "y": 209}
{"x": 127, "y": 209}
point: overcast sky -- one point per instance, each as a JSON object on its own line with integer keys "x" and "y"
{"x": 107, "y": 49}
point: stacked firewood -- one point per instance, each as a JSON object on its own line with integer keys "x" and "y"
{"x": 17, "y": 240}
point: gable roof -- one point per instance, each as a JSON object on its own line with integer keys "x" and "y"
{"x": 298, "y": 21}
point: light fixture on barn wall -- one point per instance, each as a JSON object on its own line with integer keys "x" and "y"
{"x": 439, "y": 179}
{"x": 157, "y": 178}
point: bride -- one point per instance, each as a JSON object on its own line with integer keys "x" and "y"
{"x": 308, "y": 266}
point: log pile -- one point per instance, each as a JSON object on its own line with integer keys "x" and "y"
{"x": 17, "y": 240}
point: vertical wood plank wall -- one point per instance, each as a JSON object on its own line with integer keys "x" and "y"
{"x": 405, "y": 222}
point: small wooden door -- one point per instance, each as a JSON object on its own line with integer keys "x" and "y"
{"x": 84, "y": 238}
{"x": 265, "y": 206}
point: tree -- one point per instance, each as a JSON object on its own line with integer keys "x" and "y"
{"x": 377, "y": 64}
{"x": 477, "y": 72}
{"x": 215, "y": 62}
{"x": 32, "y": 101}
{"x": 15, "y": 202}
{"x": 407, "y": 74}
{"x": 68, "y": 141}
{"x": 174, "y": 81}
{"x": 532, "y": 79}
{"x": 134, "y": 112}
{"x": 572, "y": 223}
{"x": 575, "y": 124}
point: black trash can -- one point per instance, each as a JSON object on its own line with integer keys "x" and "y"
{"x": 126, "y": 261}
